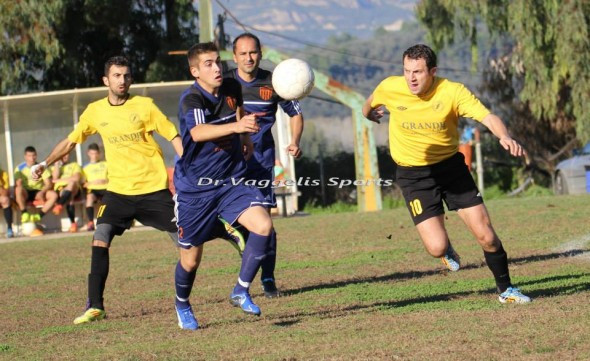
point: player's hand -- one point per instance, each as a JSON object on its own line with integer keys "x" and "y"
{"x": 294, "y": 150}
{"x": 247, "y": 124}
{"x": 376, "y": 114}
{"x": 512, "y": 146}
{"x": 37, "y": 170}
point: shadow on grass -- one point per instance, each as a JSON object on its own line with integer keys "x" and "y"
{"x": 397, "y": 276}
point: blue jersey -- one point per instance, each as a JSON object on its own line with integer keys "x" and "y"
{"x": 261, "y": 99}
{"x": 206, "y": 166}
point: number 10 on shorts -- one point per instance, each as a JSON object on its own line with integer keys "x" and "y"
{"x": 416, "y": 207}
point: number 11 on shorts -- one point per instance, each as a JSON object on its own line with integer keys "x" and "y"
{"x": 416, "y": 207}
{"x": 100, "y": 210}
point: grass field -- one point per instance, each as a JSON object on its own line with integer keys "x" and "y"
{"x": 356, "y": 286}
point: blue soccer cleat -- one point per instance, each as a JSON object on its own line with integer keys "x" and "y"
{"x": 9, "y": 233}
{"x": 186, "y": 319}
{"x": 513, "y": 295}
{"x": 451, "y": 259}
{"x": 244, "y": 301}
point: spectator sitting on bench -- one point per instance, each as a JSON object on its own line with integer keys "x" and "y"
{"x": 27, "y": 190}
{"x": 66, "y": 179}
{"x": 6, "y": 202}
{"x": 95, "y": 175}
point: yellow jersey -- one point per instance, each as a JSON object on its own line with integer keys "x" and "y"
{"x": 136, "y": 163}
{"x": 423, "y": 129}
{"x": 95, "y": 172}
{"x": 66, "y": 171}
{"x": 23, "y": 172}
{"x": 4, "y": 179}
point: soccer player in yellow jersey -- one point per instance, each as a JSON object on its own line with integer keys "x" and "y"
{"x": 6, "y": 202}
{"x": 137, "y": 179}
{"x": 423, "y": 138}
{"x": 66, "y": 182}
{"x": 38, "y": 191}
{"x": 95, "y": 175}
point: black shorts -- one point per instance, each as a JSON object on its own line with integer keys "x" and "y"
{"x": 99, "y": 193}
{"x": 426, "y": 187}
{"x": 31, "y": 194}
{"x": 152, "y": 209}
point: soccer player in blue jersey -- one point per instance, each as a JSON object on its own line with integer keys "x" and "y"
{"x": 209, "y": 179}
{"x": 262, "y": 100}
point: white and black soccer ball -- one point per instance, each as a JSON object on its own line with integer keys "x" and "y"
{"x": 293, "y": 79}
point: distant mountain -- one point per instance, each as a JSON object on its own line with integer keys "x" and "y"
{"x": 315, "y": 20}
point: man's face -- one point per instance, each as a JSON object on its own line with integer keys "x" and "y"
{"x": 208, "y": 70}
{"x": 247, "y": 56}
{"x": 418, "y": 77}
{"x": 119, "y": 80}
{"x": 30, "y": 158}
{"x": 65, "y": 158}
{"x": 93, "y": 155}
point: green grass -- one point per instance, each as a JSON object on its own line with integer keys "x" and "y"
{"x": 356, "y": 286}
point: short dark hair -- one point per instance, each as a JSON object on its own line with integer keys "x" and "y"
{"x": 246, "y": 35}
{"x": 198, "y": 49}
{"x": 93, "y": 146}
{"x": 421, "y": 51}
{"x": 115, "y": 60}
{"x": 30, "y": 149}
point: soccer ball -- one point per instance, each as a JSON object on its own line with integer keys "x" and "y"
{"x": 292, "y": 79}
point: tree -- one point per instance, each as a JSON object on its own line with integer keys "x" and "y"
{"x": 546, "y": 65}
{"x": 64, "y": 44}
{"x": 28, "y": 42}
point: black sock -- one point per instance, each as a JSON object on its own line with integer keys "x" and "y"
{"x": 99, "y": 271}
{"x": 71, "y": 212}
{"x": 90, "y": 213}
{"x": 498, "y": 264}
{"x": 64, "y": 197}
{"x": 8, "y": 217}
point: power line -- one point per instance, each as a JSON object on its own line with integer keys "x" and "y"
{"x": 317, "y": 46}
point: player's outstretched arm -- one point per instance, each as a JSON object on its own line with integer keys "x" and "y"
{"x": 296, "y": 123}
{"x": 206, "y": 132}
{"x": 375, "y": 113}
{"x": 62, "y": 148}
{"x": 177, "y": 145}
{"x": 497, "y": 127}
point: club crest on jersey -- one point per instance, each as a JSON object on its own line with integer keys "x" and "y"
{"x": 231, "y": 102}
{"x": 265, "y": 93}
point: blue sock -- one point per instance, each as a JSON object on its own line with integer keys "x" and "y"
{"x": 183, "y": 281}
{"x": 253, "y": 254}
{"x": 268, "y": 263}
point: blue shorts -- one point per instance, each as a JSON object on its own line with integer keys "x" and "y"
{"x": 196, "y": 216}
{"x": 263, "y": 177}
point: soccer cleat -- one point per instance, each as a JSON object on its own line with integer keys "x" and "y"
{"x": 451, "y": 259}
{"x": 73, "y": 228}
{"x": 35, "y": 218}
{"x": 9, "y": 233}
{"x": 270, "y": 288}
{"x": 57, "y": 209}
{"x": 91, "y": 314}
{"x": 90, "y": 226}
{"x": 233, "y": 236}
{"x": 186, "y": 319}
{"x": 25, "y": 217}
{"x": 244, "y": 301}
{"x": 36, "y": 233}
{"x": 513, "y": 295}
